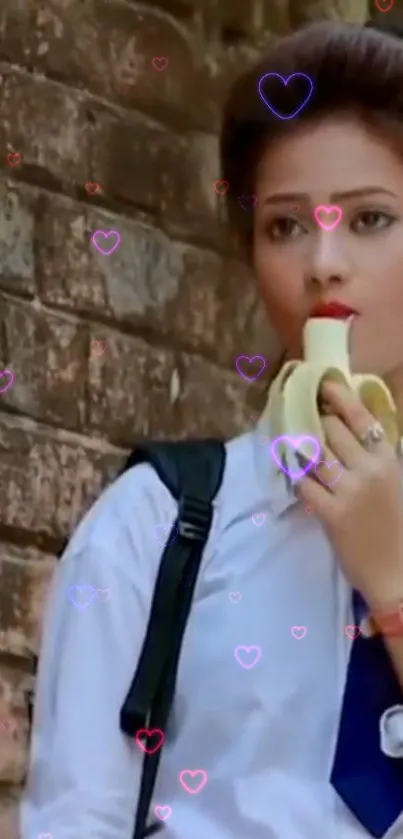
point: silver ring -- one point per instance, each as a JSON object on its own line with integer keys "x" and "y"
{"x": 373, "y": 434}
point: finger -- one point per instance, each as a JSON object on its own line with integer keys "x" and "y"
{"x": 330, "y": 473}
{"x": 352, "y": 412}
{"x": 312, "y": 494}
{"x": 343, "y": 443}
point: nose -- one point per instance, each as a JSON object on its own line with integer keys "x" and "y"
{"x": 327, "y": 265}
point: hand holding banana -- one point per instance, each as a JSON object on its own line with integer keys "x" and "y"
{"x": 362, "y": 512}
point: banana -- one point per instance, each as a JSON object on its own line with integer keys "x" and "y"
{"x": 292, "y": 409}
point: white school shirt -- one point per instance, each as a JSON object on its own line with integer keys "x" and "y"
{"x": 261, "y": 737}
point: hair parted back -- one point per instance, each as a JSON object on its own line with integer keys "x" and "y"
{"x": 354, "y": 69}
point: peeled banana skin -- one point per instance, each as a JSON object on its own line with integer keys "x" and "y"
{"x": 293, "y": 408}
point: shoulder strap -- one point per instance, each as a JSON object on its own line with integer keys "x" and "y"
{"x": 193, "y": 472}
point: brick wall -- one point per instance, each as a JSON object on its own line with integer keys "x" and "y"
{"x": 108, "y": 349}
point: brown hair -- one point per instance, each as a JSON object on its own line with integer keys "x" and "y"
{"x": 354, "y": 70}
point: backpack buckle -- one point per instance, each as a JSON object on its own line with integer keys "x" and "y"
{"x": 194, "y": 518}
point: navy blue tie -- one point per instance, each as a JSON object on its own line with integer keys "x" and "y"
{"x": 369, "y": 782}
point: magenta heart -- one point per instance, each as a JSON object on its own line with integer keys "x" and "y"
{"x": 250, "y": 359}
{"x": 192, "y": 774}
{"x": 247, "y": 657}
{"x": 235, "y": 596}
{"x": 327, "y": 210}
{"x": 7, "y": 374}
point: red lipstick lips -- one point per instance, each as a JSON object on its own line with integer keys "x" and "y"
{"x": 333, "y": 309}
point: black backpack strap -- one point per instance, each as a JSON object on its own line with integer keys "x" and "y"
{"x": 193, "y": 472}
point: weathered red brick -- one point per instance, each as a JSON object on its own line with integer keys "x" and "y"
{"x": 48, "y": 478}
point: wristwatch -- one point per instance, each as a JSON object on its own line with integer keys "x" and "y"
{"x": 389, "y": 622}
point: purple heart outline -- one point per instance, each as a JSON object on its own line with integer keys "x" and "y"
{"x": 9, "y": 383}
{"x": 250, "y": 359}
{"x": 285, "y": 80}
{"x": 80, "y": 589}
{"x": 105, "y": 234}
{"x": 294, "y": 441}
{"x": 249, "y": 200}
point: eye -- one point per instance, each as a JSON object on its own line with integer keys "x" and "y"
{"x": 283, "y": 227}
{"x": 370, "y": 220}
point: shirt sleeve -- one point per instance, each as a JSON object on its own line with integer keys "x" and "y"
{"x": 84, "y": 773}
{"x": 391, "y": 731}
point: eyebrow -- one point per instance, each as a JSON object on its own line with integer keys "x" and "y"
{"x": 336, "y": 196}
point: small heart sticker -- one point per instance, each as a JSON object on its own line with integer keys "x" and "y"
{"x": 6, "y": 380}
{"x": 247, "y": 202}
{"x": 327, "y": 211}
{"x": 155, "y": 733}
{"x": 384, "y": 5}
{"x": 250, "y": 360}
{"x": 163, "y": 813}
{"x": 336, "y": 474}
{"x": 98, "y": 347}
{"x": 160, "y": 62}
{"x": 352, "y": 632}
{"x": 221, "y": 187}
{"x": 259, "y": 519}
{"x": 100, "y": 235}
{"x": 192, "y": 774}
{"x": 298, "y": 632}
{"x": 13, "y": 159}
{"x": 247, "y": 657}
{"x": 92, "y": 188}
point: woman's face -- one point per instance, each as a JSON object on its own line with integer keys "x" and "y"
{"x": 359, "y": 262}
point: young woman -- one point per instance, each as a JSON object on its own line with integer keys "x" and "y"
{"x": 266, "y": 744}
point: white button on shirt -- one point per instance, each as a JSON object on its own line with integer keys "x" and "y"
{"x": 264, "y": 734}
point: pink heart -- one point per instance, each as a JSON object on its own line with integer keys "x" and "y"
{"x": 98, "y": 347}
{"x": 324, "y": 208}
{"x": 105, "y": 234}
{"x": 352, "y": 632}
{"x": 152, "y": 732}
{"x": 193, "y": 773}
{"x": 235, "y": 596}
{"x": 250, "y": 360}
{"x": 247, "y": 650}
{"x": 329, "y": 466}
{"x": 298, "y": 632}
{"x": 259, "y": 519}
{"x": 163, "y": 813}
{"x": 160, "y": 62}
{"x": 11, "y": 376}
